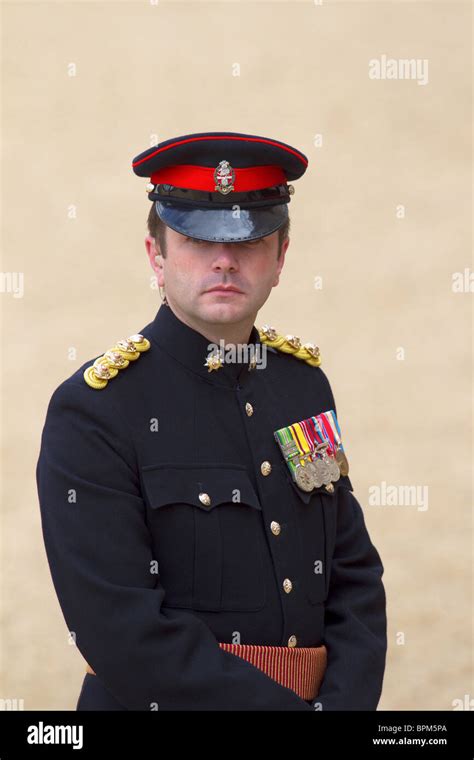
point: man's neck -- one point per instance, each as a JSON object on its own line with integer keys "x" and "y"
{"x": 232, "y": 334}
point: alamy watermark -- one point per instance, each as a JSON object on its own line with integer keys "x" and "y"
{"x": 253, "y": 354}
{"x": 399, "y": 68}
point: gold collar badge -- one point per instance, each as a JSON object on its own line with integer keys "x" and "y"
{"x": 213, "y": 362}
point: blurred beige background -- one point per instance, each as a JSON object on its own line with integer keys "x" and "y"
{"x": 382, "y": 215}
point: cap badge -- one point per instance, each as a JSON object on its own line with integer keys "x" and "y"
{"x": 224, "y": 177}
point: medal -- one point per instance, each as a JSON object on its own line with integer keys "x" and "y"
{"x": 304, "y": 478}
{"x": 342, "y": 462}
{"x": 341, "y": 458}
{"x": 329, "y": 459}
{"x": 320, "y": 445}
{"x": 319, "y": 465}
{"x": 316, "y": 466}
{"x": 324, "y": 463}
{"x": 322, "y": 469}
{"x": 334, "y": 468}
{"x": 301, "y": 475}
{"x": 310, "y": 465}
{"x": 297, "y": 455}
{"x": 313, "y": 451}
{"x": 326, "y": 449}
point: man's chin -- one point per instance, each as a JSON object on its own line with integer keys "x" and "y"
{"x": 224, "y": 313}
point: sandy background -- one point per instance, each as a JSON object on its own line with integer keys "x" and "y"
{"x": 74, "y": 217}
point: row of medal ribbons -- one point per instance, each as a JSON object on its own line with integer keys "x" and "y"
{"x": 313, "y": 451}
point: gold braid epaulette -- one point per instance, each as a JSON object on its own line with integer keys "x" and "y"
{"x": 116, "y": 358}
{"x": 291, "y": 344}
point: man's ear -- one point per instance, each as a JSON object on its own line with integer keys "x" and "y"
{"x": 281, "y": 260}
{"x": 153, "y": 253}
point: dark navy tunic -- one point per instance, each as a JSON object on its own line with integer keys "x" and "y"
{"x": 150, "y": 579}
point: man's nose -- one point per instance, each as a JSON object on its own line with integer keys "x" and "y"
{"x": 225, "y": 257}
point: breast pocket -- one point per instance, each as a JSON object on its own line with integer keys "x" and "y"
{"x": 207, "y": 530}
{"x": 316, "y": 518}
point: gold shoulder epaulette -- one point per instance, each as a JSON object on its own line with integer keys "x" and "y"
{"x": 291, "y": 344}
{"x": 116, "y": 358}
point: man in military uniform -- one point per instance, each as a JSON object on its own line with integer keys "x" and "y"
{"x": 203, "y": 538}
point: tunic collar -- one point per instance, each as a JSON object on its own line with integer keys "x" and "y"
{"x": 191, "y": 349}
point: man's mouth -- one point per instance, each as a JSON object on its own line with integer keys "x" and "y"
{"x": 224, "y": 289}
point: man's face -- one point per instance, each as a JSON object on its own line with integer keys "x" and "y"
{"x": 192, "y": 268}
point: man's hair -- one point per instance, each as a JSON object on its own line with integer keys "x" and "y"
{"x": 157, "y": 230}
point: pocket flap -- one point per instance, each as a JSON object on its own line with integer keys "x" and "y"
{"x": 183, "y": 483}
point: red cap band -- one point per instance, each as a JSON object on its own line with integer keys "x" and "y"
{"x": 192, "y": 177}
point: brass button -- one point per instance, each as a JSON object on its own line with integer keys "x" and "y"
{"x": 292, "y": 641}
{"x": 330, "y": 488}
{"x": 275, "y": 528}
{"x": 205, "y": 499}
{"x": 287, "y": 585}
{"x": 265, "y": 468}
{"x": 249, "y": 409}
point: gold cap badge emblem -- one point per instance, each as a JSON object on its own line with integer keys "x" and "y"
{"x": 224, "y": 177}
